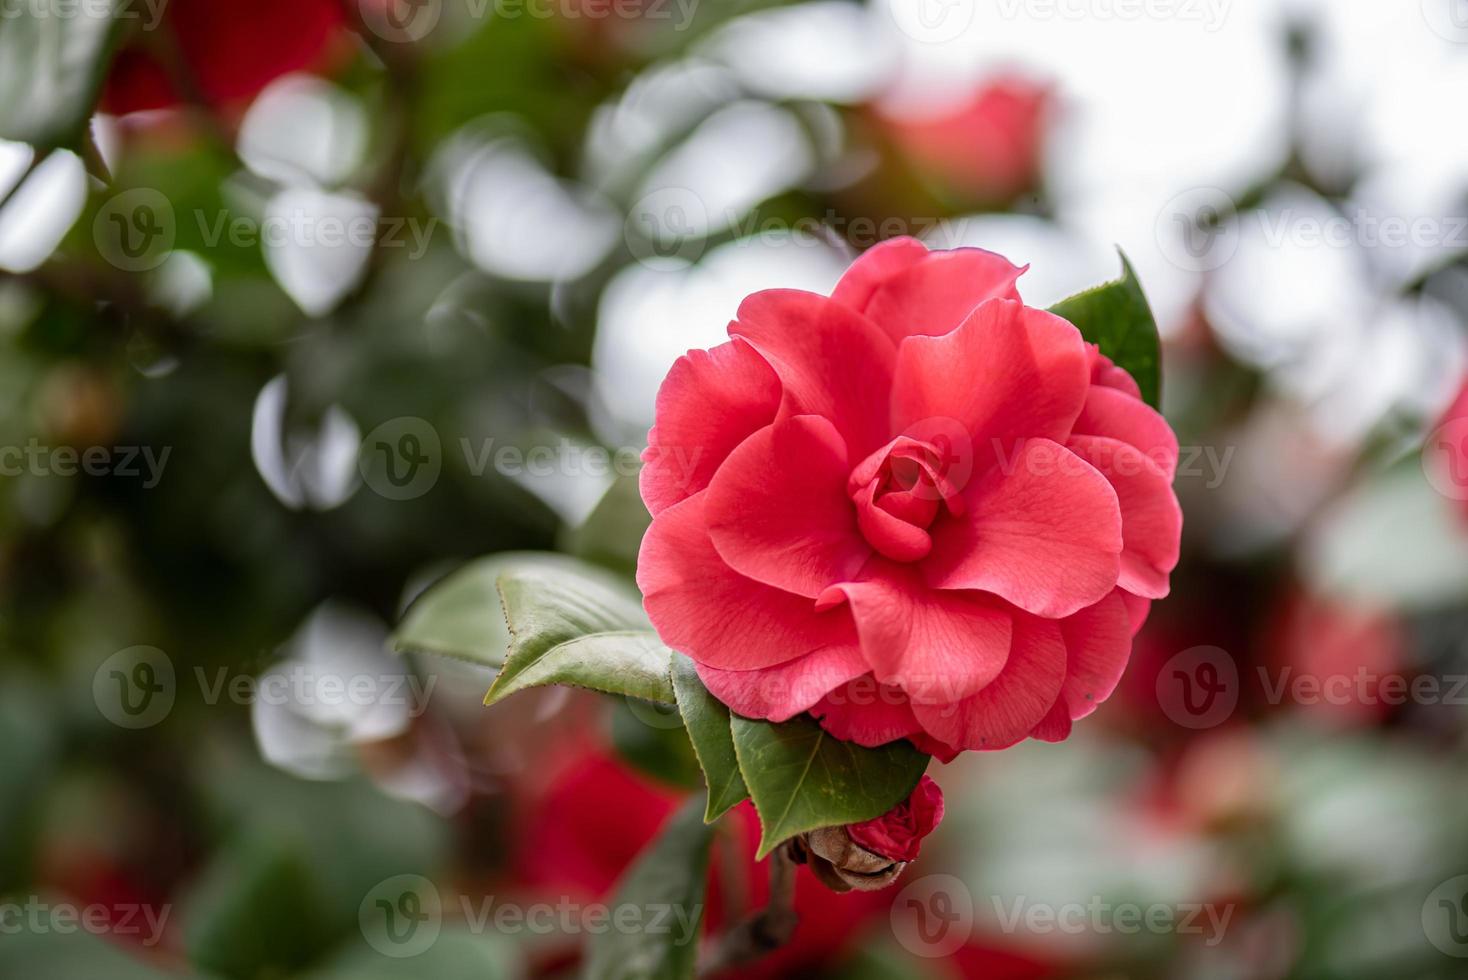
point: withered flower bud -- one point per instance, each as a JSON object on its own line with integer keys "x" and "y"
{"x": 842, "y": 864}
{"x": 871, "y": 855}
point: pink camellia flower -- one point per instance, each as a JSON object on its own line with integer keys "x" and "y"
{"x": 916, "y": 508}
{"x": 898, "y": 834}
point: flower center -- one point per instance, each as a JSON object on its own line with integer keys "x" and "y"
{"x": 898, "y": 492}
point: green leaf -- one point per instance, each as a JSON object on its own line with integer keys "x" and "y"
{"x": 66, "y": 956}
{"x": 459, "y": 953}
{"x": 578, "y": 625}
{"x": 708, "y": 721}
{"x": 650, "y": 737}
{"x": 1115, "y": 316}
{"x": 461, "y": 616}
{"x": 634, "y": 664}
{"x": 257, "y": 911}
{"x": 52, "y": 60}
{"x": 666, "y": 889}
{"x": 803, "y": 779}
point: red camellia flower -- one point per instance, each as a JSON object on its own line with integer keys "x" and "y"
{"x": 916, "y": 508}
{"x": 227, "y": 51}
{"x": 898, "y": 834}
{"x": 990, "y": 146}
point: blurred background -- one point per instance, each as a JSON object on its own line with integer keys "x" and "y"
{"x": 305, "y": 303}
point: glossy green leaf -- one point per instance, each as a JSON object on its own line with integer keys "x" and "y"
{"x": 802, "y": 779}
{"x": 634, "y": 664}
{"x": 1116, "y": 317}
{"x": 578, "y": 625}
{"x": 708, "y": 723}
{"x": 52, "y": 59}
{"x": 665, "y": 890}
{"x": 461, "y": 616}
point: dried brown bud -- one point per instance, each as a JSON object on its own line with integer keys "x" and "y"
{"x": 841, "y": 864}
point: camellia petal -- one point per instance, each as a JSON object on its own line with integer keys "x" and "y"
{"x": 937, "y": 646}
{"x": 1044, "y": 532}
{"x": 867, "y": 712}
{"x": 1007, "y": 373}
{"x": 710, "y": 402}
{"x": 831, "y": 361}
{"x": 907, "y": 292}
{"x": 1018, "y": 699}
{"x": 1114, "y": 414}
{"x": 1098, "y": 641}
{"x": 699, "y": 604}
{"x": 780, "y": 693}
{"x": 778, "y": 510}
{"x": 1150, "y": 516}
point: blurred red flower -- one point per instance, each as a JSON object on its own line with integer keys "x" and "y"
{"x": 225, "y": 52}
{"x": 989, "y": 147}
{"x": 594, "y": 819}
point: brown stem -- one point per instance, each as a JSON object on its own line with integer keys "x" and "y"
{"x": 765, "y": 931}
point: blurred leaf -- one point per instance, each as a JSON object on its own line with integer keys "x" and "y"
{"x": 457, "y": 954}
{"x": 257, "y": 912}
{"x": 708, "y": 721}
{"x": 355, "y": 836}
{"x": 1115, "y": 316}
{"x": 72, "y": 956}
{"x": 669, "y": 876}
{"x": 581, "y": 625}
{"x": 802, "y": 779}
{"x": 52, "y": 60}
{"x": 650, "y": 737}
{"x": 462, "y": 616}
{"x": 612, "y": 534}
{"x": 28, "y": 749}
